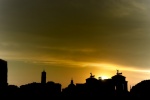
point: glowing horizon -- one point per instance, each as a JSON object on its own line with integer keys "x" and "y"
{"x": 72, "y": 38}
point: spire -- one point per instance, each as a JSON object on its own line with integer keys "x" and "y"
{"x": 71, "y": 81}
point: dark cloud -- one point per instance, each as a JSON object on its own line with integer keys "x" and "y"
{"x": 48, "y": 16}
{"x": 116, "y": 30}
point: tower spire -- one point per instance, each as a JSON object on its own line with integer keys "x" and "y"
{"x": 71, "y": 81}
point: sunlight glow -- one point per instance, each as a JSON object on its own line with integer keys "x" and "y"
{"x": 104, "y": 77}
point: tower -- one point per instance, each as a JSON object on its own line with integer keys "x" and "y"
{"x": 71, "y": 85}
{"x": 3, "y": 73}
{"x": 43, "y": 77}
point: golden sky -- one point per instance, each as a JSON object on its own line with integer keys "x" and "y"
{"x": 72, "y": 38}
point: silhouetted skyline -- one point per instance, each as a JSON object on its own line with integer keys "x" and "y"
{"x": 70, "y": 38}
{"x": 116, "y": 86}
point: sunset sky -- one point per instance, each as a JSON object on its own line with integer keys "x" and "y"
{"x": 73, "y": 38}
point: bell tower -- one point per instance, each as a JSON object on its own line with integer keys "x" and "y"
{"x": 43, "y": 77}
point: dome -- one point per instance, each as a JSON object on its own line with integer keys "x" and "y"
{"x": 141, "y": 89}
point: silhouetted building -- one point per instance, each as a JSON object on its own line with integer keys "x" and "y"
{"x": 13, "y": 91}
{"x": 99, "y": 87}
{"x": 43, "y": 77}
{"x": 31, "y": 90}
{"x": 53, "y": 89}
{"x": 70, "y": 90}
{"x": 120, "y": 83}
{"x": 141, "y": 89}
{"x": 81, "y": 89}
{"x": 92, "y": 86}
{"x": 3, "y": 73}
{"x": 107, "y": 87}
{"x": 115, "y": 86}
{"x": 40, "y": 90}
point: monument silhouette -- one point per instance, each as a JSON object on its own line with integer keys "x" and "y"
{"x": 116, "y": 86}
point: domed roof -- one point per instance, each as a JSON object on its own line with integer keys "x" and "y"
{"x": 71, "y": 84}
{"x": 141, "y": 89}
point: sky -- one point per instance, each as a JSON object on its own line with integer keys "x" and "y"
{"x": 70, "y": 39}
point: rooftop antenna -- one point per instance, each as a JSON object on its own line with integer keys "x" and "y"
{"x": 72, "y": 81}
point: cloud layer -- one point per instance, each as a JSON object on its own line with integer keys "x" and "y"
{"x": 95, "y": 31}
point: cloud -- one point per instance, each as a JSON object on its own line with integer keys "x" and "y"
{"x": 112, "y": 31}
{"x": 47, "y": 16}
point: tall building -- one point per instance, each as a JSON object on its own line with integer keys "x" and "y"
{"x": 3, "y": 73}
{"x": 43, "y": 77}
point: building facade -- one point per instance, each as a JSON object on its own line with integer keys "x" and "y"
{"x": 3, "y": 73}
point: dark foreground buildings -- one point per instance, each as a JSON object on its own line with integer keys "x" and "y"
{"x": 3, "y": 73}
{"x": 141, "y": 89}
{"x": 116, "y": 86}
{"x": 43, "y": 89}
